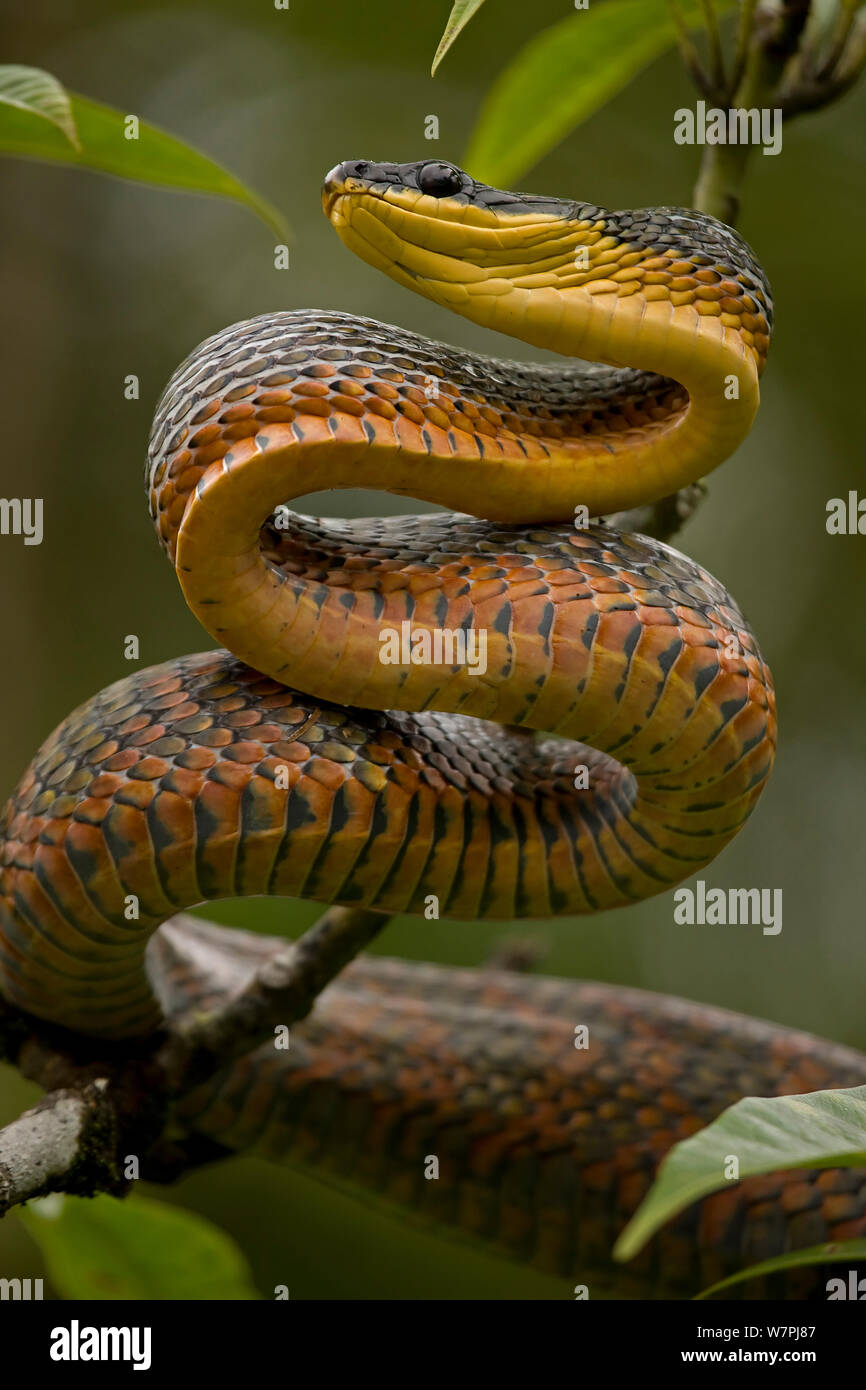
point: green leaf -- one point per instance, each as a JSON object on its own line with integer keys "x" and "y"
{"x": 824, "y": 1129}
{"x": 31, "y": 89}
{"x": 107, "y": 1249}
{"x": 562, "y": 76}
{"x": 461, "y": 13}
{"x": 836, "y": 1252}
{"x": 154, "y": 157}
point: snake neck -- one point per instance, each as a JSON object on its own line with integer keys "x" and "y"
{"x": 665, "y": 290}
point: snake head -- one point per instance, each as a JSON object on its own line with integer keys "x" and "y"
{"x": 434, "y": 228}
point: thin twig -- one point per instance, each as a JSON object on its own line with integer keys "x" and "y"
{"x": 801, "y": 92}
{"x": 714, "y": 44}
{"x": 844, "y": 23}
{"x": 745, "y": 28}
{"x": 282, "y": 991}
{"x": 689, "y": 53}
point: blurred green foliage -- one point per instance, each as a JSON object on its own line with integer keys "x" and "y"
{"x": 40, "y": 120}
{"x": 134, "y": 1249}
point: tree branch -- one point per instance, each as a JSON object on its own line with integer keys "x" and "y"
{"x": 66, "y": 1143}
{"x": 282, "y": 991}
{"x": 107, "y": 1101}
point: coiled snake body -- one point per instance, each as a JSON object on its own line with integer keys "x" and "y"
{"x": 391, "y": 785}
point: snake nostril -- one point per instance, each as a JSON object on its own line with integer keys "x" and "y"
{"x": 336, "y": 178}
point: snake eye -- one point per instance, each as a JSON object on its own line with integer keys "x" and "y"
{"x": 440, "y": 180}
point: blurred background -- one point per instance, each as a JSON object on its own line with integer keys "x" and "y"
{"x": 100, "y": 279}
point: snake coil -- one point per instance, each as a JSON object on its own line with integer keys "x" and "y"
{"x": 296, "y": 761}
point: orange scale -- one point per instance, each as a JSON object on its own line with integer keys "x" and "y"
{"x": 311, "y": 388}
{"x": 216, "y": 692}
{"x": 649, "y": 1117}
{"x": 136, "y": 794}
{"x": 437, "y": 416}
{"x": 244, "y": 752}
{"x": 206, "y": 412}
{"x": 519, "y": 573}
{"x": 105, "y": 750}
{"x": 212, "y": 452}
{"x": 185, "y": 710}
{"x": 174, "y": 515}
{"x": 170, "y": 700}
{"x": 825, "y": 1181}
{"x": 415, "y": 395}
{"x": 564, "y": 578}
{"x": 158, "y": 684}
{"x": 842, "y": 1206}
{"x": 513, "y": 422}
{"x": 461, "y": 421}
{"x": 349, "y": 388}
{"x": 411, "y": 412}
{"x": 382, "y": 408}
{"x": 182, "y": 459}
{"x": 215, "y": 738}
{"x": 608, "y": 586}
{"x": 290, "y": 752}
{"x": 192, "y": 724}
{"x": 150, "y": 768}
{"x": 393, "y": 582}
{"x": 673, "y": 1102}
{"x": 221, "y": 804}
{"x": 230, "y": 704}
{"x": 126, "y": 758}
{"x": 378, "y": 754}
{"x": 200, "y": 439}
{"x": 694, "y": 635}
{"x": 185, "y": 781}
{"x": 92, "y": 810}
{"x": 275, "y": 414}
{"x": 105, "y": 784}
{"x": 656, "y": 617}
{"x": 242, "y": 430}
{"x": 242, "y": 719}
{"x": 313, "y": 407}
{"x": 238, "y": 412}
{"x": 146, "y": 736}
{"x": 233, "y": 775}
{"x": 348, "y": 405}
{"x": 52, "y": 832}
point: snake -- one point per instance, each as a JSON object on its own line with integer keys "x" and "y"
{"x": 615, "y": 737}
